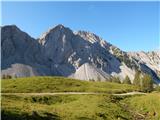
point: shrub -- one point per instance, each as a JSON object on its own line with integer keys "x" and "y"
{"x": 137, "y": 79}
{"x": 147, "y": 83}
{"x": 115, "y": 79}
{"x": 127, "y": 80}
{"x": 6, "y": 76}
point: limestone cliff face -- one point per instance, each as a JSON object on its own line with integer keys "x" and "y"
{"x": 20, "y": 52}
{"x": 151, "y": 59}
{"x": 60, "y": 51}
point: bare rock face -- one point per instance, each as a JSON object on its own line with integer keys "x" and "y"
{"x": 68, "y": 51}
{"x": 57, "y": 44}
{"x": 20, "y": 51}
{"x": 151, "y": 59}
{"x": 62, "y": 52}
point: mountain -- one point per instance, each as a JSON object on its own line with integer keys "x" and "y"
{"x": 21, "y": 55}
{"x": 62, "y": 52}
{"x": 151, "y": 59}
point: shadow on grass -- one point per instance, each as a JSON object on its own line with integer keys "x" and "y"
{"x": 5, "y": 115}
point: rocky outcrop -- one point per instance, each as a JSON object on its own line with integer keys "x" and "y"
{"x": 20, "y": 52}
{"x": 62, "y": 52}
{"x": 151, "y": 59}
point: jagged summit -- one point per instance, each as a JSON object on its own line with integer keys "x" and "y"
{"x": 60, "y": 26}
{"x": 58, "y": 30}
{"x": 10, "y": 26}
{"x": 62, "y": 52}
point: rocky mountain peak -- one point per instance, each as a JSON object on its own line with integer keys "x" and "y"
{"x": 81, "y": 55}
{"x": 11, "y": 27}
{"x": 54, "y": 33}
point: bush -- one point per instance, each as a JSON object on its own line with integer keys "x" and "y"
{"x": 6, "y": 76}
{"x": 137, "y": 79}
{"x": 115, "y": 80}
{"x": 127, "y": 80}
{"x": 147, "y": 83}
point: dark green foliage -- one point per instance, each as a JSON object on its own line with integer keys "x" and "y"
{"x": 127, "y": 80}
{"x": 115, "y": 80}
{"x": 49, "y": 100}
{"x": 92, "y": 80}
{"x": 7, "y": 115}
{"x": 147, "y": 83}
{"x": 137, "y": 79}
{"x": 6, "y": 76}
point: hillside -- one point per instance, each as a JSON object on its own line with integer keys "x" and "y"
{"x": 61, "y": 84}
{"x": 102, "y": 106}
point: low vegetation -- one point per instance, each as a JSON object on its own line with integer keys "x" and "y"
{"x": 68, "y": 107}
{"x": 81, "y": 107}
{"x": 102, "y": 106}
{"x": 144, "y": 82}
{"x": 61, "y": 84}
{"x": 127, "y": 80}
{"x": 144, "y": 107}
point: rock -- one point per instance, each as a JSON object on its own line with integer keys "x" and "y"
{"x": 62, "y": 52}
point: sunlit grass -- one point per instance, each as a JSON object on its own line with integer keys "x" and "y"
{"x": 61, "y": 84}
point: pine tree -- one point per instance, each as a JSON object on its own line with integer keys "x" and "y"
{"x": 137, "y": 79}
{"x": 127, "y": 80}
{"x": 147, "y": 83}
{"x": 116, "y": 80}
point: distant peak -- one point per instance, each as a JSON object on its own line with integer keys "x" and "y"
{"x": 57, "y": 29}
{"x": 60, "y": 26}
{"x": 10, "y": 26}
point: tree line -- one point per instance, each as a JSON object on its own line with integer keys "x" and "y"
{"x": 143, "y": 81}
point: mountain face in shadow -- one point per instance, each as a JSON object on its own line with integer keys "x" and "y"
{"x": 62, "y": 52}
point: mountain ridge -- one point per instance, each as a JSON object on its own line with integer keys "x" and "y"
{"x": 62, "y": 52}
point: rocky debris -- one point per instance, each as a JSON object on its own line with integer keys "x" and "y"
{"x": 90, "y": 72}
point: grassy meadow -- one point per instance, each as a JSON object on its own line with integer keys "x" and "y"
{"x": 102, "y": 106}
{"x": 61, "y": 84}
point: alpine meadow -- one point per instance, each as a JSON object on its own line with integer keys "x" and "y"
{"x": 96, "y": 60}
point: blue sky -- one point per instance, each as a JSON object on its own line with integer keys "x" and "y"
{"x": 131, "y": 26}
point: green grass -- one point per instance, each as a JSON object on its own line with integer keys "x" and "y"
{"x": 104, "y": 106}
{"x": 147, "y": 105}
{"x": 81, "y": 107}
{"x": 60, "y": 84}
{"x": 65, "y": 107}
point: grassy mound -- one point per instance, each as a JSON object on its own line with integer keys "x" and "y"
{"x": 61, "y": 84}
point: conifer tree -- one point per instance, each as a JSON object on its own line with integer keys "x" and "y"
{"x": 127, "y": 80}
{"x": 137, "y": 79}
{"x": 147, "y": 83}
